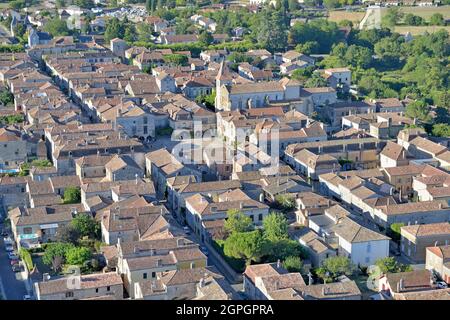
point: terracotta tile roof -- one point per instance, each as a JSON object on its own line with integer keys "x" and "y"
{"x": 353, "y": 232}
{"x": 413, "y": 207}
{"x": 441, "y": 251}
{"x": 90, "y": 281}
{"x": 424, "y": 230}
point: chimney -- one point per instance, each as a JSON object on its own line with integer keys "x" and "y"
{"x": 278, "y": 263}
{"x": 180, "y": 242}
{"x": 401, "y": 284}
{"x": 45, "y": 277}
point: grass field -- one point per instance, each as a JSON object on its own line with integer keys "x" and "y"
{"x": 419, "y": 30}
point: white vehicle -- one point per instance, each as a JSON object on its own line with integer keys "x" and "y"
{"x": 13, "y": 256}
{"x": 7, "y": 241}
{"x": 27, "y": 297}
{"x": 442, "y": 285}
{"x": 187, "y": 230}
{"x": 9, "y": 247}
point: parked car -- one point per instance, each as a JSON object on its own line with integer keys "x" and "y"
{"x": 204, "y": 250}
{"x": 9, "y": 247}
{"x": 442, "y": 285}
{"x": 187, "y": 230}
{"x": 27, "y": 297}
{"x": 17, "y": 268}
{"x": 7, "y": 240}
{"x": 13, "y": 256}
{"x": 13, "y": 262}
{"x": 4, "y": 233}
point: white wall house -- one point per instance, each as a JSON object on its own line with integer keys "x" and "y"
{"x": 362, "y": 245}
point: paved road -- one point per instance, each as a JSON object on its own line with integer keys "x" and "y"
{"x": 10, "y": 287}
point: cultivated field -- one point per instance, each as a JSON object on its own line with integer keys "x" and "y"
{"x": 424, "y": 12}
{"x": 420, "y": 30}
{"x": 337, "y": 16}
{"x": 427, "y": 12}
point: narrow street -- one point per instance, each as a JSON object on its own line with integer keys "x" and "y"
{"x": 10, "y": 287}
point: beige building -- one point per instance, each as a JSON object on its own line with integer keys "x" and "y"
{"x": 92, "y": 286}
{"x": 416, "y": 238}
{"x": 438, "y": 259}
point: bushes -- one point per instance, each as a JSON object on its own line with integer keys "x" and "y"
{"x": 26, "y": 257}
{"x": 238, "y": 265}
{"x": 72, "y": 195}
{"x": 164, "y": 131}
{"x": 394, "y": 231}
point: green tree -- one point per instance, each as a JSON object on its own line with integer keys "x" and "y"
{"x": 87, "y": 4}
{"x": 114, "y": 29}
{"x": 441, "y": 130}
{"x": 67, "y": 234}
{"x": 293, "y": 264}
{"x": 72, "y": 195}
{"x": 78, "y": 255}
{"x": 272, "y": 32}
{"x": 417, "y": 110}
{"x": 237, "y": 222}
{"x": 17, "y": 4}
{"x": 129, "y": 33}
{"x": 60, "y": 4}
{"x": 275, "y": 227}
{"x": 316, "y": 81}
{"x": 54, "y": 251}
{"x": 245, "y": 245}
{"x": 6, "y": 97}
{"x": 287, "y": 201}
{"x": 143, "y": 32}
{"x": 331, "y": 4}
{"x": 358, "y": 56}
{"x": 308, "y": 47}
{"x": 301, "y": 75}
{"x": 394, "y": 231}
{"x": 413, "y": 20}
{"x": 283, "y": 248}
{"x": 205, "y": 38}
{"x": 56, "y": 27}
{"x": 391, "y": 17}
{"x": 334, "y": 267}
{"x": 293, "y": 5}
{"x": 176, "y": 59}
{"x": 390, "y": 265}
{"x": 207, "y": 100}
{"x": 86, "y": 225}
{"x": 437, "y": 19}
